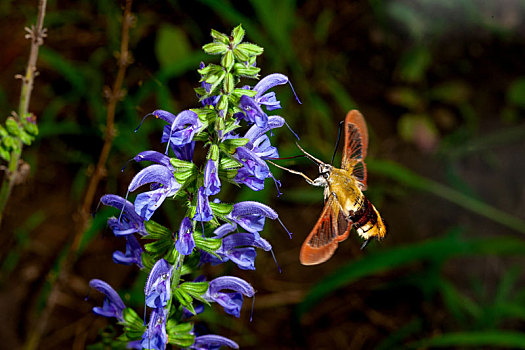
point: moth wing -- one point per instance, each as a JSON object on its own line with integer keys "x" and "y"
{"x": 331, "y": 228}
{"x": 356, "y": 145}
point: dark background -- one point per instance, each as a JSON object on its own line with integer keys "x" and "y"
{"x": 442, "y": 88}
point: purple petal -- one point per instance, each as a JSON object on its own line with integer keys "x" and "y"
{"x": 211, "y": 341}
{"x": 253, "y": 208}
{"x": 255, "y": 132}
{"x": 232, "y": 283}
{"x": 158, "y": 288}
{"x": 212, "y": 183}
{"x": 155, "y": 336}
{"x": 133, "y": 253}
{"x": 269, "y": 82}
{"x": 153, "y": 156}
{"x": 203, "y": 212}
{"x": 164, "y": 115}
{"x": 185, "y": 242}
{"x": 253, "y": 111}
{"x": 153, "y": 173}
{"x": 224, "y": 229}
{"x": 113, "y": 304}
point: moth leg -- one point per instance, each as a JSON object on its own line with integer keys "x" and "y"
{"x": 365, "y": 243}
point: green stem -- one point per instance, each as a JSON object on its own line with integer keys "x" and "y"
{"x": 36, "y": 34}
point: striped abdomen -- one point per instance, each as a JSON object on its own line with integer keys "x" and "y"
{"x": 367, "y": 221}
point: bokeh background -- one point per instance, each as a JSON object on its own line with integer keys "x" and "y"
{"x": 442, "y": 87}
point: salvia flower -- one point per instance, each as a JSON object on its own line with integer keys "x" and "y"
{"x": 164, "y": 185}
{"x": 212, "y": 183}
{"x": 252, "y": 106}
{"x": 230, "y": 301}
{"x": 204, "y": 212}
{"x": 212, "y": 342}
{"x": 158, "y": 288}
{"x": 181, "y": 128}
{"x": 129, "y": 221}
{"x": 155, "y": 336}
{"x": 113, "y": 304}
{"x": 132, "y": 255}
{"x": 251, "y": 215}
{"x": 185, "y": 242}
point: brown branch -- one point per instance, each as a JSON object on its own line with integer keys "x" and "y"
{"x": 36, "y": 34}
{"x": 82, "y": 219}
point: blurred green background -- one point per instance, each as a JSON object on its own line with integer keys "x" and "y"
{"x": 442, "y": 87}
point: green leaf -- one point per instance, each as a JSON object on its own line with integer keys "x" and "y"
{"x": 221, "y": 209}
{"x": 214, "y": 152}
{"x": 477, "y": 339}
{"x": 230, "y": 145}
{"x": 229, "y": 83}
{"x": 240, "y": 55}
{"x": 30, "y": 128}
{"x": 12, "y": 127}
{"x": 184, "y": 299}
{"x": 250, "y": 49}
{"x": 3, "y": 132}
{"x": 182, "y": 340}
{"x": 9, "y": 143}
{"x": 227, "y": 163}
{"x": 171, "y": 45}
{"x": 160, "y": 247}
{"x": 180, "y": 334}
{"x": 209, "y": 245}
{"x": 181, "y": 165}
{"x": 131, "y": 317}
{"x": 228, "y": 60}
{"x": 220, "y": 37}
{"x": 194, "y": 288}
{"x": 241, "y": 92}
{"x": 156, "y": 230}
{"x": 237, "y": 34}
{"x": 215, "y": 48}
{"x": 246, "y": 71}
{"x": 4, "y": 154}
{"x": 25, "y": 137}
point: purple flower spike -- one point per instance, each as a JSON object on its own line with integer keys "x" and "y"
{"x": 231, "y": 302}
{"x": 133, "y": 253}
{"x": 158, "y": 289}
{"x": 155, "y": 336}
{"x": 113, "y": 304}
{"x": 185, "y": 242}
{"x": 204, "y": 212}
{"x": 130, "y": 222}
{"x": 212, "y": 183}
{"x": 250, "y": 215}
{"x": 165, "y": 186}
{"x": 212, "y": 342}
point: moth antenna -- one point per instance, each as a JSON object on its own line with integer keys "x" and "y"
{"x": 309, "y": 156}
{"x": 293, "y": 172}
{"x": 337, "y": 142}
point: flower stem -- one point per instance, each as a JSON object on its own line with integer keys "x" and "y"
{"x": 36, "y": 34}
